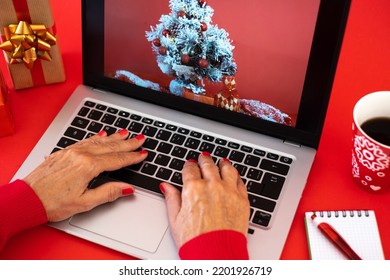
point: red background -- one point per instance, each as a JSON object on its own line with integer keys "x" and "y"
{"x": 363, "y": 68}
{"x": 271, "y": 52}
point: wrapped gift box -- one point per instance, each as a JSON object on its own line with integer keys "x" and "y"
{"x": 34, "y": 13}
{"x": 6, "y": 120}
{"x": 197, "y": 97}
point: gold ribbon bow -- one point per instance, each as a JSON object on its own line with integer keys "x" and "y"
{"x": 27, "y": 42}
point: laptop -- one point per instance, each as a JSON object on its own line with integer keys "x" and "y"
{"x": 247, "y": 81}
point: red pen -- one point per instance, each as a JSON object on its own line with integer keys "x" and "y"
{"x": 335, "y": 238}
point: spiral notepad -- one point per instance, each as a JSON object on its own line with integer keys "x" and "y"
{"x": 358, "y": 227}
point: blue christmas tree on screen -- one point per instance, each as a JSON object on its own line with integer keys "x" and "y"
{"x": 190, "y": 48}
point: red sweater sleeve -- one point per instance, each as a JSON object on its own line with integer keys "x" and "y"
{"x": 20, "y": 208}
{"x": 216, "y": 245}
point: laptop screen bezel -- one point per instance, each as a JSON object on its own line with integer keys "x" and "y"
{"x": 328, "y": 34}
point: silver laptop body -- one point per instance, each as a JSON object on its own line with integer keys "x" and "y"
{"x": 138, "y": 225}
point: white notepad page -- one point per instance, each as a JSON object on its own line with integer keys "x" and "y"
{"x": 358, "y": 227}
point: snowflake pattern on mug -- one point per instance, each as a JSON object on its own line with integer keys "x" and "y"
{"x": 370, "y": 155}
{"x": 355, "y": 166}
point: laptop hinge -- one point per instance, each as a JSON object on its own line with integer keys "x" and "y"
{"x": 294, "y": 144}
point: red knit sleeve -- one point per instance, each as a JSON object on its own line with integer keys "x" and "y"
{"x": 20, "y": 208}
{"x": 216, "y": 245}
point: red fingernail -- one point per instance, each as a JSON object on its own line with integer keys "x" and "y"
{"x": 102, "y": 133}
{"x": 123, "y": 132}
{"x": 207, "y": 154}
{"x": 162, "y": 189}
{"x": 143, "y": 152}
{"x": 192, "y": 160}
{"x": 127, "y": 191}
{"x": 139, "y": 137}
{"x": 225, "y": 159}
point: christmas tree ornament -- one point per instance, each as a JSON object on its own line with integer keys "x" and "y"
{"x": 166, "y": 33}
{"x": 185, "y": 58}
{"x": 203, "y": 26}
{"x": 203, "y": 63}
{"x": 228, "y": 98}
{"x": 157, "y": 42}
{"x": 202, "y": 2}
{"x": 181, "y": 14}
{"x": 162, "y": 50}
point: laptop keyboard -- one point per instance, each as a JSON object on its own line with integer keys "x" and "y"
{"x": 170, "y": 145}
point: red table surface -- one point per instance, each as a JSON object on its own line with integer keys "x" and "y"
{"x": 364, "y": 66}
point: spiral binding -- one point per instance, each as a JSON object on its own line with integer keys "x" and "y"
{"x": 342, "y": 213}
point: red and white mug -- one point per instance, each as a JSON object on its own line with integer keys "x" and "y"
{"x": 370, "y": 154}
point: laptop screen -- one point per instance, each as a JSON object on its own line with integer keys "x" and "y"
{"x": 263, "y": 65}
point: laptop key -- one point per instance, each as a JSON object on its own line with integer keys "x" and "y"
{"x": 261, "y": 203}
{"x": 164, "y": 173}
{"x": 254, "y": 174}
{"x": 149, "y": 168}
{"x": 150, "y": 143}
{"x": 252, "y": 160}
{"x": 177, "y": 178}
{"x": 135, "y": 117}
{"x": 193, "y": 155}
{"x": 179, "y": 152}
{"x": 236, "y": 156}
{"x": 208, "y": 138}
{"x": 220, "y": 141}
{"x": 122, "y": 123}
{"x": 83, "y": 111}
{"x": 112, "y": 110}
{"x": 261, "y": 218}
{"x": 165, "y": 147}
{"x": 89, "y": 103}
{"x": 272, "y": 185}
{"x": 95, "y": 115}
{"x": 171, "y": 127}
{"x": 162, "y": 160}
{"x": 183, "y": 130}
{"x": 177, "y": 164}
{"x": 240, "y": 168}
{"x": 221, "y": 152}
{"x": 136, "y": 127}
{"x": 151, "y": 156}
{"x": 159, "y": 124}
{"x": 101, "y": 107}
{"x": 95, "y": 127}
{"x": 196, "y": 134}
{"x": 65, "y": 142}
{"x": 207, "y": 147}
{"x": 149, "y": 131}
{"x": 109, "y": 129}
{"x": 192, "y": 143}
{"x": 178, "y": 139}
{"x": 274, "y": 166}
{"x": 163, "y": 135}
{"x": 254, "y": 187}
{"x": 108, "y": 119}
{"x": 124, "y": 114}
{"x": 80, "y": 122}
{"x": 75, "y": 133}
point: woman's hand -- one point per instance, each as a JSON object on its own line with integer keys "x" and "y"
{"x": 212, "y": 199}
{"x": 61, "y": 180}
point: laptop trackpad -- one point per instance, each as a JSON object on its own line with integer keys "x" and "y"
{"x": 138, "y": 221}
